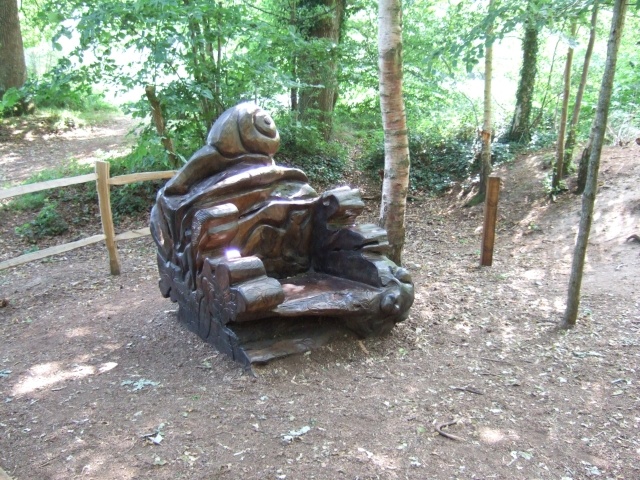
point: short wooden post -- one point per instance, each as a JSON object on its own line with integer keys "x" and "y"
{"x": 490, "y": 218}
{"x": 104, "y": 198}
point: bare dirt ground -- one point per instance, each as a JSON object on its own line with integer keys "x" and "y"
{"x": 98, "y": 380}
{"x": 29, "y": 146}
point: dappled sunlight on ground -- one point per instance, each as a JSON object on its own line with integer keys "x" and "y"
{"x": 102, "y": 367}
{"x": 464, "y": 327}
{"x": 90, "y": 159}
{"x": 6, "y": 160}
{"x": 105, "y": 367}
{"x": 494, "y": 435}
{"x": 34, "y": 147}
{"x": 559, "y": 304}
{"x": 78, "y": 332}
{"x": 48, "y": 374}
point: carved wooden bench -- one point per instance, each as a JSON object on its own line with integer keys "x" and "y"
{"x": 260, "y": 264}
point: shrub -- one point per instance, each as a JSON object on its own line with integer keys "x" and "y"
{"x": 47, "y": 223}
{"x": 436, "y": 162}
{"x": 29, "y": 201}
{"x": 61, "y": 87}
{"x": 11, "y": 102}
{"x": 303, "y": 147}
{"x": 125, "y": 200}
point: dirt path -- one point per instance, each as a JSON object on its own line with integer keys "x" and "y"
{"x": 97, "y": 378}
{"x": 27, "y": 147}
{"x": 30, "y": 145}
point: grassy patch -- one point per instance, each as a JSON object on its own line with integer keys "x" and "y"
{"x": 60, "y": 119}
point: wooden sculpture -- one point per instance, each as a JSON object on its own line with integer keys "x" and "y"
{"x": 260, "y": 264}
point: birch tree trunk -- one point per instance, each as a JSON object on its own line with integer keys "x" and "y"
{"x": 589, "y": 196}
{"x": 557, "y": 174}
{"x": 485, "y": 152}
{"x": 571, "y": 136}
{"x": 396, "y": 143}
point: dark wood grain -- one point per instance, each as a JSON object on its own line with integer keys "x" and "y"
{"x": 262, "y": 266}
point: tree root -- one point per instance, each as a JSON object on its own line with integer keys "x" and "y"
{"x": 633, "y": 237}
{"x": 448, "y": 435}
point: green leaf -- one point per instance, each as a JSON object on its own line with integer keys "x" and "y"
{"x": 139, "y": 384}
{"x": 55, "y": 17}
{"x": 10, "y": 98}
{"x": 525, "y": 455}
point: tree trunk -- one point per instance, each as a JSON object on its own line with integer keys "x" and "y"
{"x": 583, "y": 167}
{"x": 571, "y": 136}
{"x": 158, "y": 120}
{"x": 293, "y": 21}
{"x": 396, "y": 143}
{"x": 294, "y": 93}
{"x": 519, "y": 130}
{"x": 536, "y": 121}
{"x": 323, "y": 99}
{"x": 201, "y": 67}
{"x": 485, "y": 152}
{"x": 13, "y": 69}
{"x": 589, "y": 196}
{"x": 558, "y": 171}
{"x": 207, "y": 66}
{"x": 220, "y": 103}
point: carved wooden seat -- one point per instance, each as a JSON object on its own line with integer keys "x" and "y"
{"x": 260, "y": 264}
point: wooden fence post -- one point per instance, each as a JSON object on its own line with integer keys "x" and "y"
{"x": 490, "y": 218}
{"x": 104, "y": 199}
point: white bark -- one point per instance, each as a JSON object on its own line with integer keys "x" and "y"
{"x": 485, "y": 152}
{"x": 396, "y": 143}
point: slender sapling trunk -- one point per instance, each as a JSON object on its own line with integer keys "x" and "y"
{"x": 485, "y": 152}
{"x": 557, "y": 174}
{"x": 158, "y": 120}
{"x": 571, "y": 136}
{"x": 589, "y": 196}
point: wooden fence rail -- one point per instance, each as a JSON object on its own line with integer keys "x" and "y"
{"x": 36, "y": 187}
{"x": 103, "y": 183}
